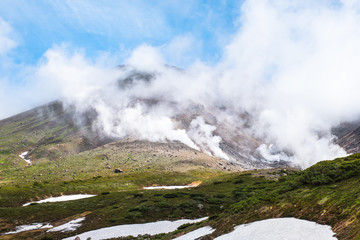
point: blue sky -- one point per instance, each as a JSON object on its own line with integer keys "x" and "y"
{"x": 183, "y": 31}
{"x": 118, "y": 26}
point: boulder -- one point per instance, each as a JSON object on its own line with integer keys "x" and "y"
{"x": 118, "y": 170}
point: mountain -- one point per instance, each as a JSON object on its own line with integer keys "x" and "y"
{"x": 51, "y": 133}
{"x": 60, "y": 129}
{"x": 70, "y": 154}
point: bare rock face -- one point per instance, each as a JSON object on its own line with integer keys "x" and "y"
{"x": 351, "y": 141}
{"x": 237, "y": 142}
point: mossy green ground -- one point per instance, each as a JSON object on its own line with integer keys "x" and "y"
{"x": 228, "y": 198}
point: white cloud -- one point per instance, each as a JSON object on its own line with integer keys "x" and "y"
{"x": 296, "y": 65}
{"x": 128, "y": 20}
{"x": 182, "y": 50}
{"x": 71, "y": 75}
{"x": 146, "y": 58}
{"x": 6, "y": 41}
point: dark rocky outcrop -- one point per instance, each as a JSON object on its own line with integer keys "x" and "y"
{"x": 351, "y": 141}
{"x": 118, "y": 170}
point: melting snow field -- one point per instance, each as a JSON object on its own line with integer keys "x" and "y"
{"x": 67, "y": 227}
{"x": 34, "y": 226}
{"x": 70, "y": 226}
{"x": 196, "y": 233}
{"x": 169, "y": 187}
{"x": 62, "y": 198}
{"x": 152, "y": 228}
{"x": 28, "y": 160}
{"x": 279, "y": 229}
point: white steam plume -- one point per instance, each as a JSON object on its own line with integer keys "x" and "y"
{"x": 90, "y": 85}
{"x": 296, "y": 65}
{"x": 292, "y": 68}
{"x": 202, "y": 134}
{"x": 132, "y": 121}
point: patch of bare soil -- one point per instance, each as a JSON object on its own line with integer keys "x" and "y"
{"x": 171, "y": 155}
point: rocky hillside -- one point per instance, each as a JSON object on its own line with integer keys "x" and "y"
{"x": 53, "y": 136}
{"x": 351, "y": 141}
{"x": 53, "y": 131}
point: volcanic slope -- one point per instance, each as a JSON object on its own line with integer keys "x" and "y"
{"x": 68, "y": 157}
{"x": 351, "y": 141}
{"x": 65, "y": 145}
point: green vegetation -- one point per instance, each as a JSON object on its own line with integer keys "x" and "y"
{"x": 328, "y": 172}
{"x": 228, "y": 199}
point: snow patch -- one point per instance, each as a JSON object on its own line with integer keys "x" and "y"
{"x": 151, "y": 228}
{"x": 280, "y": 228}
{"x": 24, "y": 228}
{"x": 67, "y": 227}
{"x": 28, "y": 160}
{"x": 62, "y": 198}
{"x": 196, "y": 233}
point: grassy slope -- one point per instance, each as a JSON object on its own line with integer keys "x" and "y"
{"x": 327, "y": 193}
{"x": 229, "y": 199}
{"x": 66, "y": 162}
